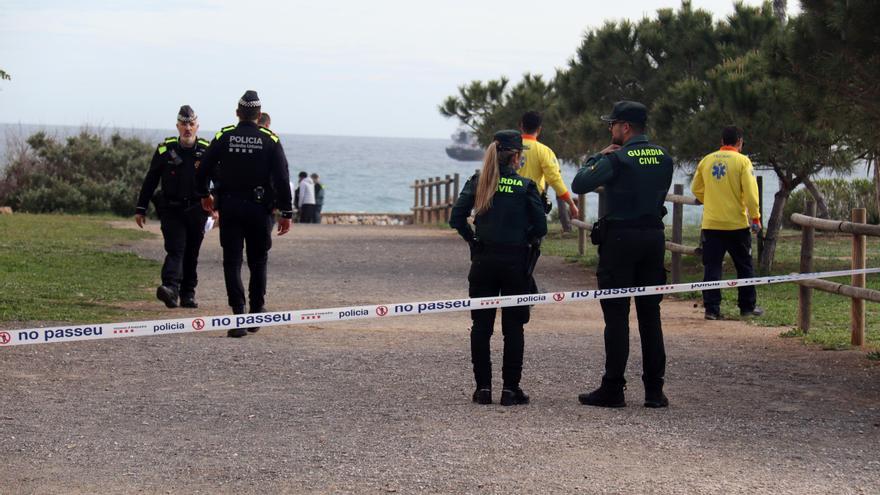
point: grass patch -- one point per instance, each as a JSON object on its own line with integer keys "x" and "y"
{"x": 831, "y": 313}
{"x": 63, "y": 268}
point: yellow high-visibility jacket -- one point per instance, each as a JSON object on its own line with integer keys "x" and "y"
{"x": 540, "y": 165}
{"x": 725, "y": 183}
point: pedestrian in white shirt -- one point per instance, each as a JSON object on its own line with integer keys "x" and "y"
{"x": 306, "y": 199}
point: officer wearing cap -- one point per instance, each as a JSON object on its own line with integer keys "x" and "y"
{"x": 248, "y": 167}
{"x": 508, "y": 216}
{"x": 636, "y": 175}
{"x": 177, "y": 204}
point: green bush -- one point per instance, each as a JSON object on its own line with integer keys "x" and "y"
{"x": 81, "y": 174}
{"x": 841, "y": 195}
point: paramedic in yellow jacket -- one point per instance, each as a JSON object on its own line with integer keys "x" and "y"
{"x": 540, "y": 164}
{"x": 725, "y": 183}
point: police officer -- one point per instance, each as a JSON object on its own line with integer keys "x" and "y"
{"x": 508, "y": 215}
{"x": 249, "y": 170}
{"x": 636, "y": 175}
{"x": 181, "y": 217}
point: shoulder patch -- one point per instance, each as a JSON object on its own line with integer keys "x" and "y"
{"x": 203, "y": 142}
{"x": 171, "y": 139}
{"x": 270, "y": 133}
{"x": 161, "y": 149}
{"x": 223, "y": 131}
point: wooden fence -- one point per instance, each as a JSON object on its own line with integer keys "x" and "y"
{"x": 433, "y": 199}
{"x": 857, "y": 291}
{"x": 678, "y": 200}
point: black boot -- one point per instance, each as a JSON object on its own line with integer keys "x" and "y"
{"x": 604, "y": 397}
{"x": 167, "y": 295}
{"x": 483, "y": 395}
{"x": 237, "y": 333}
{"x": 513, "y": 396}
{"x": 188, "y": 301}
{"x": 256, "y": 329}
{"x": 655, "y": 398}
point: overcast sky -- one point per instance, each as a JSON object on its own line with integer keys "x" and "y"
{"x": 356, "y": 68}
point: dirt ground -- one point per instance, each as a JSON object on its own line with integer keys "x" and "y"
{"x": 384, "y": 406}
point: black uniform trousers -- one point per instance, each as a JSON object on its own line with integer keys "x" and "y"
{"x": 630, "y": 257}
{"x": 245, "y": 225}
{"x": 738, "y": 243}
{"x": 492, "y": 274}
{"x": 183, "y": 229}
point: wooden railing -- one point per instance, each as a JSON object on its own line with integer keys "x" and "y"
{"x": 674, "y": 246}
{"x": 433, "y": 199}
{"x": 857, "y": 291}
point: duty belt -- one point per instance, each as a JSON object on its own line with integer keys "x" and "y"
{"x": 505, "y": 248}
{"x": 645, "y": 222}
{"x": 180, "y": 203}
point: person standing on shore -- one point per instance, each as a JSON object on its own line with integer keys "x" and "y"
{"x": 249, "y": 166}
{"x": 265, "y": 120}
{"x": 725, "y": 183}
{"x": 636, "y": 175}
{"x": 508, "y": 215}
{"x": 181, "y": 217}
{"x": 306, "y": 199}
{"x": 319, "y": 197}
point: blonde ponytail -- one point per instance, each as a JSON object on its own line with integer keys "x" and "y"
{"x": 488, "y": 180}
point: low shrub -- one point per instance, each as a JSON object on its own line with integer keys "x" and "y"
{"x": 85, "y": 173}
{"x": 841, "y": 195}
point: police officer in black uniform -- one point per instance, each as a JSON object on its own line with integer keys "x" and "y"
{"x": 509, "y": 216}
{"x": 636, "y": 175}
{"x": 181, "y": 216}
{"x": 248, "y": 167}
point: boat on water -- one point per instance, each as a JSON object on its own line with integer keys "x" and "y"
{"x": 464, "y": 147}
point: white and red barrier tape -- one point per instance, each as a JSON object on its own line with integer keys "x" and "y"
{"x": 96, "y": 331}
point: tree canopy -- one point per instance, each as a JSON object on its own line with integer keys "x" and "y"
{"x": 797, "y": 88}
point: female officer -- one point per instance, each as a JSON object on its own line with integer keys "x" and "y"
{"x": 508, "y": 214}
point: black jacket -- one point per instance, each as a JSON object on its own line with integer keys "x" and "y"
{"x": 636, "y": 179}
{"x": 245, "y": 157}
{"x": 516, "y": 216}
{"x": 173, "y": 166}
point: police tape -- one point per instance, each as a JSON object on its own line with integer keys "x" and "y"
{"x": 310, "y": 316}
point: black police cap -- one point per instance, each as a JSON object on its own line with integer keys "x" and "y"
{"x": 627, "y": 111}
{"x": 249, "y": 100}
{"x": 509, "y": 139}
{"x": 186, "y": 114}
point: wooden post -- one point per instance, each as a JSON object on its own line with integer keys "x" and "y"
{"x": 447, "y": 198}
{"x": 805, "y": 294}
{"x": 455, "y": 187}
{"x": 760, "y": 236}
{"x": 582, "y": 234}
{"x": 438, "y": 212}
{"x": 859, "y": 215}
{"x": 430, "y": 205}
{"x": 423, "y": 216}
{"x": 416, "y": 201}
{"x": 677, "y": 228}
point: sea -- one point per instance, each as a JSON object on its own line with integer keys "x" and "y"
{"x": 366, "y": 174}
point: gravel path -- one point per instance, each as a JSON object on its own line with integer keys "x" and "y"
{"x": 384, "y": 406}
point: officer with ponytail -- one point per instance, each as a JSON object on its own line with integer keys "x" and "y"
{"x": 508, "y": 216}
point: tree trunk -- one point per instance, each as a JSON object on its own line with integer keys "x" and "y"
{"x": 779, "y": 8}
{"x": 774, "y": 225}
{"x": 821, "y": 205}
{"x": 873, "y": 161}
